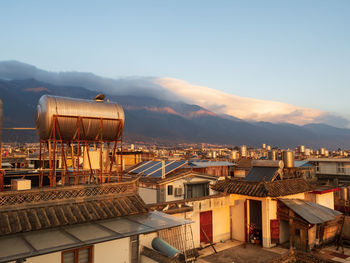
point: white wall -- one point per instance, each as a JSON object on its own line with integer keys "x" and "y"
{"x": 238, "y": 227}
{"x": 331, "y": 167}
{"x": 146, "y": 240}
{"x": 326, "y": 199}
{"x": 221, "y": 224}
{"x": 148, "y": 195}
{"x": 116, "y": 251}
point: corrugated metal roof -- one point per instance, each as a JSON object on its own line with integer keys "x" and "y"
{"x": 311, "y": 212}
{"x": 199, "y": 164}
{"x": 302, "y": 164}
{"x": 256, "y": 174}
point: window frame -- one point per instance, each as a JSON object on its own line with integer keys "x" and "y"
{"x": 189, "y": 189}
{"x": 340, "y": 168}
{"x": 170, "y": 187}
{"x": 76, "y": 253}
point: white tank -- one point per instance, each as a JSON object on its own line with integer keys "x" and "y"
{"x": 322, "y": 151}
{"x": 268, "y": 147}
{"x": 307, "y": 152}
{"x": 243, "y": 151}
{"x": 267, "y": 163}
{"x": 302, "y": 149}
{"x": 233, "y": 155}
{"x": 326, "y": 153}
{"x": 263, "y": 146}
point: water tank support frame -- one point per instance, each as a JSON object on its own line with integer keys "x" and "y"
{"x": 55, "y": 141}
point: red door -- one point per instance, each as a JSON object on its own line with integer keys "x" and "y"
{"x": 206, "y": 226}
{"x": 275, "y": 230}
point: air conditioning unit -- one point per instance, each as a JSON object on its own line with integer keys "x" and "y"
{"x": 178, "y": 191}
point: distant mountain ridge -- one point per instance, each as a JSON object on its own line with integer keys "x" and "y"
{"x": 176, "y": 90}
{"x": 161, "y": 121}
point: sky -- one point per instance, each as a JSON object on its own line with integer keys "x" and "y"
{"x": 291, "y": 51}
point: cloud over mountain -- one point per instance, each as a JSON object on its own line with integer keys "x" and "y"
{"x": 248, "y": 108}
{"x": 179, "y": 90}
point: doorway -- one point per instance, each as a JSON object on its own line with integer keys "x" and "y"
{"x": 255, "y": 222}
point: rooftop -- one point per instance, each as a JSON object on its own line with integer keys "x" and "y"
{"x": 263, "y": 189}
{"x": 311, "y": 212}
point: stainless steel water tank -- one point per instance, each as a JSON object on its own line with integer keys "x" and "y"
{"x": 48, "y": 106}
{"x": 288, "y": 159}
{"x": 272, "y": 155}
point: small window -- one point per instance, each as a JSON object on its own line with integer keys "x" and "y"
{"x": 317, "y": 166}
{"x": 170, "y": 189}
{"x": 78, "y": 255}
{"x": 340, "y": 168}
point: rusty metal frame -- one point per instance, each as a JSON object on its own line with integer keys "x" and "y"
{"x": 55, "y": 141}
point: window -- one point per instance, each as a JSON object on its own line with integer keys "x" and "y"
{"x": 317, "y": 167}
{"x": 340, "y": 168}
{"x": 197, "y": 190}
{"x": 170, "y": 190}
{"x": 78, "y": 255}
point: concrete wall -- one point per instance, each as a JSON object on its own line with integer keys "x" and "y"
{"x": 220, "y": 208}
{"x": 116, "y": 251}
{"x": 146, "y": 240}
{"x": 221, "y": 223}
{"x": 238, "y": 227}
{"x": 148, "y": 195}
{"x": 331, "y": 168}
{"x": 326, "y": 199}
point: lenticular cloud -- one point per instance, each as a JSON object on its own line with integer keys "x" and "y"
{"x": 240, "y": 107}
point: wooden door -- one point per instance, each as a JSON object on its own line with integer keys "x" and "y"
{"x": 206, "y": 226}
{"x": 275, "y": 230}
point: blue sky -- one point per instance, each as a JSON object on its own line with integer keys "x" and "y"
{"x": 293, "y": 51}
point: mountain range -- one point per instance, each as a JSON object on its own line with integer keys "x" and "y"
{"x": 152, "y": 114}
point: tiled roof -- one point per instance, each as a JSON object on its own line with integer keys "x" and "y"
{"x": 263, "y": 189}
{"x": 100, "y": 203}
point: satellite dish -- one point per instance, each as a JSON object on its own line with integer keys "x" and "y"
{"x": 100, "y": 97}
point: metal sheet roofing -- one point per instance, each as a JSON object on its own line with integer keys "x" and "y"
{"x": 311, "y": 212}
{"x": 299, "y": 164}
{"x": 34, "y": 243}
{"x": 205, "y": 164}
{"x": 256, "y": 174}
